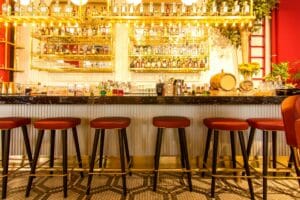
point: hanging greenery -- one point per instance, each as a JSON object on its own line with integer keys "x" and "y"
{"x": 261, "y": 9}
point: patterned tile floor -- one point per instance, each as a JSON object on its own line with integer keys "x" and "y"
{"x": 171, "y": 186}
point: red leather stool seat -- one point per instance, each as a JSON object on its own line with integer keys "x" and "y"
{"x": 230, "y": 124}
{"x": 13, "y": 122}
{"x": 266, "y": 123}
{"x": 110, "y": 122}
{"x": 171, "y": 122}
{"x": 57, "y": 123}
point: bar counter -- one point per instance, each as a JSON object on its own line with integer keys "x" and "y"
{"x": 141, "y": 110}
{"x": 129, "y": 99}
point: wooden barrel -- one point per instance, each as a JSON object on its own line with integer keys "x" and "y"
{"x": 224, "y": 81}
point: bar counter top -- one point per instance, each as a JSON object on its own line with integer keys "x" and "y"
{"x": 151, "y": 100}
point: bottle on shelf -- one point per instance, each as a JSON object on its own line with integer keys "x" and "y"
{"x": 68, "y": 10}
{"x": 43, "y": 8}
{"x": 236, "y": 8}
{"x": 214, "y": 8}
{"x": 6, "y": 8}
{"x": 56, "y": 9}
{"x": 224, "y": 8}
{"x": 17, "y": 8}
{"x": 31, "y": 9}
{"x": 162, "y": 9}
{"x": 246, "y": 8}
{"x": 151, "y": 9}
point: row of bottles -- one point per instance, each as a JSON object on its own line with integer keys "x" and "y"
{"x": 167, "y": 30}
{"x": 41, "y": 9}
{"x": 89, "y": 31}
{"x": 59, "y": 49}
{"x": 171, "y": 49}
{"x": 169, "y": 63}
{"x": 201, "y": 8}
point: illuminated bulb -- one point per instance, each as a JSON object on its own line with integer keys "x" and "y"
{"x": 43, "y": 24}
{"x": 24, "y": 24}
{"x": 33, "y": 24}
{"x": 216, "y": 24}
{"x": 242, "y": 24}
{"x": 250, "y": 24}
{"x": 15, "y": 24}
{"x": 188, "y": 2}
{"x": 233, "y": 25}
{"x": 206, "y": 24}
{"x": 6, "y": 24}
{"x": 59, "y": 24}
{"x": 79, "y": 2}
{"x": 134, "y": 2}
{"x": 51, "y": 24}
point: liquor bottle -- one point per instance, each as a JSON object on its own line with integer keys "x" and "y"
{"x": 141, "y": 9}
{"x": 246, "y": 8}
{"x": 174, "y": 9}
{"x": 224, "y": 8}
{"x": 162, "y": 9}
{"x": 43, "y": 8}
{"x": 17, "y": 8}
{"x": 236, "y": 8}
{"x": 6, "y": 8}
{"x": 31, "y": 9}
{"x": 183, "y": 10}
{"x": 131, "y": 9}
{"x": 56, "y": 9}
{"x": 68, "y": 9}
{"x": 214, "y": 9}
{"x": 151, "y": 9}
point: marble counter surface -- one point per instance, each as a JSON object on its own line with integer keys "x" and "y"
{"x": 164, "y": 100}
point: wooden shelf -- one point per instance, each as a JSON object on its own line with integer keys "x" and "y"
{"x": 168, "y": 70}
{"x": 73, "y": 69}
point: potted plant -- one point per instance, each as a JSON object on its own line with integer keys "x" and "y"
{"x": 249, "y": 69}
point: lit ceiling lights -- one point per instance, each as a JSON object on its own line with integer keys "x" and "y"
{"x": 134, "y": 2}
{"x": 188, "y": 2}
{"x": 79, "y": 2}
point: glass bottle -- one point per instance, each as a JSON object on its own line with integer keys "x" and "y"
{"x": 6, "y": 8}
{"x": 17, "y": 8}
{"x": 174, "y": 9}
{"x": 141, "y": 9}
{"x": 246, "y": 8}
{"x": 214, "y": 9}
{"x": 56, "y": 9}
{"x": 224, "y": 8}
{"x": 236, "y": 8}
{"x": 162, "y": 9}
{"x": 31, "y": 10}
{"x": 68, "y": 9}
{"x": 43, "y": 8}
{"x": 151, "y": 8}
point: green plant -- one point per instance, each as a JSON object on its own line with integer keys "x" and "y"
{"x": 279, "y": 72}
{"x": 261, "y": 9}
{"x": 249, "y": 69}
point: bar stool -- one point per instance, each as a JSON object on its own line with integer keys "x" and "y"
{"x": 6, "y": 124}
{"x": 226, "y": 124}
{"x": 101, "y": 124}
{"x": 266, "y": 125}
{"x": 180, "y": 123}
{"x": 53, "y": 124}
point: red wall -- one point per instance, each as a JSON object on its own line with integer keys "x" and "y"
{"x": 4, "y": 74}
{"x": 286, "y": 32}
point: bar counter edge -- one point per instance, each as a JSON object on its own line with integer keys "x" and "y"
{"x": 193, "y": 100}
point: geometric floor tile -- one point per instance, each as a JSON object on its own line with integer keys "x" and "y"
{"x": 171, "y": 186}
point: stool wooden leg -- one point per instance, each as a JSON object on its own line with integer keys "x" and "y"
{"x": 296, "y": 162}
{"x": 246, "y": 164}
{"x": 35, "y": 159}
{"x": 265, "y": 163}
{"x": 5, "y": 161}
{"x": 124, "y": 134}
{"x": 122, "y": 158}
{"x": 157, "y": 156}
{"x": 186, "y": 156}
{"x": 27, "y": 144}
{"x": 3, "y": 132}
{"x": 52, "y": 148}
{"x": 182, "y": 152}
{"x": 207, "y": 144}
{"x": 78, "y": 155}
{"x": 64, "y": 135}
{"x": 274, "y": 150}
{"x": 250, "y": 141}
{"x": 214, "y": 163}
{"x": 233, "y": 153}
{"x": 290, "y": 162}
{"x": 92, "y": 161}
{"x": 102, "y": 137}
